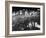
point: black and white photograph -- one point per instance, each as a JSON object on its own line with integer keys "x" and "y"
{"x": 25, "y": 18}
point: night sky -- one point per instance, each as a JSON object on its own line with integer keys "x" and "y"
{"x": 21, "y": 8}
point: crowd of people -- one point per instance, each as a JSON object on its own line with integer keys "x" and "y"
{"x": 25, "y": 20}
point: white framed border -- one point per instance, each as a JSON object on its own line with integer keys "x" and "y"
{"x": 25, "y": 32}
